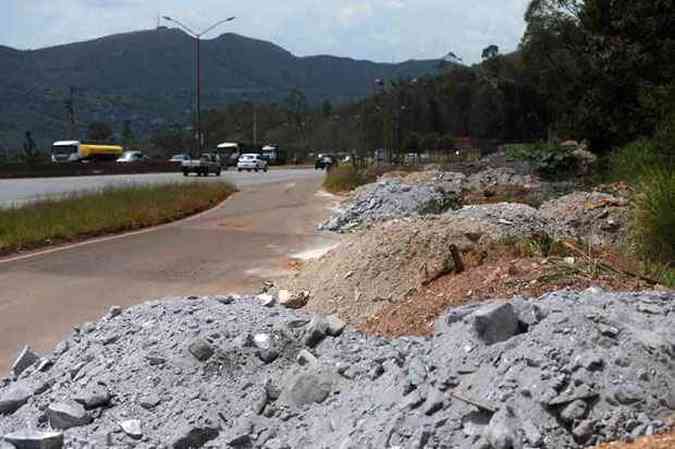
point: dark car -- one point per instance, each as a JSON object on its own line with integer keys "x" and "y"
{"x": 325, "y": 162}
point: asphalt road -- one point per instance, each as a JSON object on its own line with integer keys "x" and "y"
{"x": 232, "y": 248}
{"x": 18, "y": 191}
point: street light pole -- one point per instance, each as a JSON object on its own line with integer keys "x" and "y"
{"x": 199, "y": 135}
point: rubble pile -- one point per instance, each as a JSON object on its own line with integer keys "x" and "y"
{"x": 501, "y": 176}
{"x": 595, "y": 217}
{"x": 565, "y": 371}
{"x": 388, "y": 199}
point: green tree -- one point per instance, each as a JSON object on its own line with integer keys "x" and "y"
{"x": 99, "y": 132}
{"x": 489, "y": 52}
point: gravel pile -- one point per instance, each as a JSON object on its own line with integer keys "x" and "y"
{"x": 565, "y": 371}
{"x": 598, "y": 218}
{"x": 388, "y": 199}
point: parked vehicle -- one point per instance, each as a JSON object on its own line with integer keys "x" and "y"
{"x": 206, "y": 164}
{"x": 132, "y": 156}
{"x": 252, "y": 162}
{"x": 325, "y": 161}
{"x": 76, "y": 151}
{"x": 179, "y": 158}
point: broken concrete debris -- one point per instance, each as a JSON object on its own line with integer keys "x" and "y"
{"x": 509, "y": 374}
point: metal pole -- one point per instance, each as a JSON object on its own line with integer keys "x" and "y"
{"x": 200, "y": 138}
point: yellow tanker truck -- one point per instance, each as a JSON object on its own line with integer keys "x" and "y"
{"x": 76, "y": 151}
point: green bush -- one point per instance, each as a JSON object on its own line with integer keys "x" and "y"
{"x": 654, "y": 217}
{"x": 550, "y": 161}
{"x": 346, "y": 178}
{"x": 633, "y": 161}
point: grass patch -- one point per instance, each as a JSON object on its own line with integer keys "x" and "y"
{"x": 107, "y": 211}
{"x": 346, "y": 178}
{"x": 654, "y": 216}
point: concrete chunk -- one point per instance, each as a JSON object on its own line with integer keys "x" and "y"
{"x": 335, "y": 325}
{"x": 34, "y": 439}
{"x": 495, "y": 323}
{"x": 64, "y": 415}
{"x": 13, "y": 398}
{"x": 25, "y": 359}
{"x": 316, "y": 331}
{"x": 132, "y": 427}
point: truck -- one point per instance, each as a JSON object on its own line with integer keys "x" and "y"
{"x": 76, "y": 151}
{"x": 206, "y": 164}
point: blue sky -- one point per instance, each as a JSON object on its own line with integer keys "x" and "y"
{"x": 380, "y": 30}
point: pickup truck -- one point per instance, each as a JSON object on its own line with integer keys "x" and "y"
{"x": 207, "y": 163}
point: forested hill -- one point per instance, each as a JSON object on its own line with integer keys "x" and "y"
{"x": 147, "y": 77}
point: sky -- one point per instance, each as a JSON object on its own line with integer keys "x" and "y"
{"x": 378, "y": 30}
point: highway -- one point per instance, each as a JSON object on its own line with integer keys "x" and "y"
{"x": 19, "y": 191}
{"x": 234, "y": 247}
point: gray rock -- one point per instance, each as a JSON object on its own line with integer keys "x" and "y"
{"x": 309, "y": 388}
{"x": 262, "y": 341}
{"x": 150, "y": 401}
{"x": 6, "y": 445}
{"x": 532, "y": 433}
{"x": 133, "y": 428}
{"x": 13, "y": 398}
{"x": 574, "y": 411}
{"x": 315, "y": 332}
{"x": 65, "y": 415}
{"x": 335, "y": 325}
{"x": 268, "y": 355}
{"x": 25, "y": 360}
{"x": 306, "y": 358}
{"x": 266, "y": 300}
{"x": 34, "y": 439}
{"x": 189, "y": 437}
{"x": 628, "y": 394}
{"x": 583, "y": 431}
{"x": 495, "y": 323}
{"x": 201, "y": 349}
{"x": 502, "y": 431}
{"x": 114, "y": 312}
{"x": 93, "y": 397}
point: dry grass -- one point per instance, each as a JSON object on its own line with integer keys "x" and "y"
{"x": 84, "y": 215}
{"x": 346, "y": 178}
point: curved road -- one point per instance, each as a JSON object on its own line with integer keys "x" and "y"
{"x": 231, "y": 248}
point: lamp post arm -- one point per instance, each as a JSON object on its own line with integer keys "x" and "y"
{"x": 182, "y": 25}
{"x": 229, "y": 19}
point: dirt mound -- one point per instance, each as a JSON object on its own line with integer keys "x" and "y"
{"x": 566, "y": 371}
{"x": 598, "y": 218}
{"x": 392, "y": 260}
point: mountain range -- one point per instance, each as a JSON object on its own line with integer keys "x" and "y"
{"x": 147, "y": 78}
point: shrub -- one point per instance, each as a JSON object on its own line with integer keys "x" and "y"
{"x": 654, "y": 215}
{"x": 346, "y": 178}
{"x": 550, "y": 161}
{"x": 632, "y": 161}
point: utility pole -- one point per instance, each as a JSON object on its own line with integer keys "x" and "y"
{"x": 70, "y": 114}
{"x": 199, "y": 134}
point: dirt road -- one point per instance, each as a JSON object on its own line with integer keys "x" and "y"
{"x": 232, "y": 248}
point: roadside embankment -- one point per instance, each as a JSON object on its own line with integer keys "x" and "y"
{"x": 110, "y": 210}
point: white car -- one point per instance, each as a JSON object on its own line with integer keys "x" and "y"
{"x": 132, "y": 156}
{"x": 251, "y": 162}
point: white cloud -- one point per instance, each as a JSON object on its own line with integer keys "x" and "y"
{"x": 366, "y": 29}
